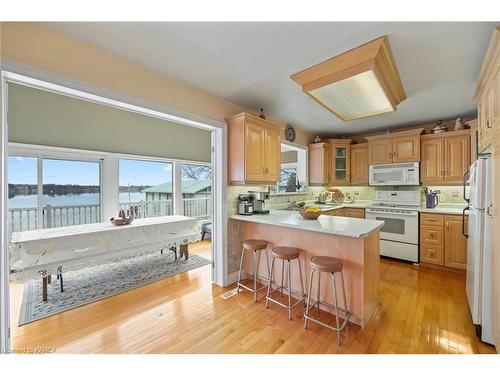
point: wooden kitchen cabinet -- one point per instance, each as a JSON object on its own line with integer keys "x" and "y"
{"x": 432, "y": 161}
{"x": 380, "y": 151}
{"x": 254, "y": 150}
{"x": 406, "y": 149}
{"x": 398, "y": 147}
{"x": 456, "y": 156}
{"x": 445, "y": 157}
{"x": 455, "y": 250}
{"x": 341, "y": 161}
{"x": 442, "y": 242}
{"x": 346, "y": 212}
{"x": 359, "y": 164}
{"x": 319, "y": 163}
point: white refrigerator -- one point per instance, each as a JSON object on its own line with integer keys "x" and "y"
{"x": 479, "y": 249}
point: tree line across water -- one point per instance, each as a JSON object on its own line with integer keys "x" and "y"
{"x": 55, "y": 189}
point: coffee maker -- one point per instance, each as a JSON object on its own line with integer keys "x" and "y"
{"x": 245, "y": 205}
{"x": 259, "y": 201}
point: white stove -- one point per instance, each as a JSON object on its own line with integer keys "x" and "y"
{"x": 399, "y": 210}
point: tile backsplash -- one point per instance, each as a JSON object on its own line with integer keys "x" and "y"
{"x": 234, "y": 191}
{"x": 450, "y": 194}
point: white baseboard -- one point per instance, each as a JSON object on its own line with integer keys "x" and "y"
{"x": 233, "y": 277}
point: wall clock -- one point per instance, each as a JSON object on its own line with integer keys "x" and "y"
{"x": 290, "y": 133}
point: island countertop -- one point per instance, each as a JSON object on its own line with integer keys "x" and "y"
{"x": 337, "y": 225}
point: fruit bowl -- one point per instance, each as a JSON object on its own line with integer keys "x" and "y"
{"x": 310, "y": 215}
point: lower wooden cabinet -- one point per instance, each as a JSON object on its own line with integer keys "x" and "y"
{"x": 432, "y": 254}
{"x": 455, "y": 254}
{"x": 347, "y": 212}
{"x": 442, "y": 242}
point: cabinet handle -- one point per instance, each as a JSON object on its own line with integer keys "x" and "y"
{"x": 442, "y": 173}
{"x": 488, "y": 124}
{"x": 447, "y": 225}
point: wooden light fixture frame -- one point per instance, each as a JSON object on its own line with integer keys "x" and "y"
{"x": 375, "y": 56}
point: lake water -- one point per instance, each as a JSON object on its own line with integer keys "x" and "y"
{"x": 25, "y": 201}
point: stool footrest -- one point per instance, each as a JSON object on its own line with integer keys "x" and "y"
{"x": 269, "y": 298}
{"x": 251, "y": 289}
{"x": 347, "y": 314}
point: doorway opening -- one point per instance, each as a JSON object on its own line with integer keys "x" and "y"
{"x": 58, "y": 187}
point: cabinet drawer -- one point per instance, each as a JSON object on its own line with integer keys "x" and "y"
{"x": 432, "y": 235}
{"x": 432, "y": 219}
{"x": 432, "y": 254}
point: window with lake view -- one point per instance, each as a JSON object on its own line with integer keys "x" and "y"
{"x": 141, "y": 185}
{"x": 70, "y": 193}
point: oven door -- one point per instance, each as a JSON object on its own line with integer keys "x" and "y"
{"x": 400, "y": 227}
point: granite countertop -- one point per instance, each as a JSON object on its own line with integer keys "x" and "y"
{"x": 340, "y": 226}
{"x": 445, "y": 208}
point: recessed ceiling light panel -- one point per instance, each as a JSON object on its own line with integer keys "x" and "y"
{"x": 359, "y": 83}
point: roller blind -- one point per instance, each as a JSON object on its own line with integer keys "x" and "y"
{"x": 44, "y": 118}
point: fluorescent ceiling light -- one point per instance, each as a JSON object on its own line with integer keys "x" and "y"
{"x": 359, "y": 83}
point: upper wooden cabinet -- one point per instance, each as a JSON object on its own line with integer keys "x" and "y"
{"x": 445, "y": 157}
{"x": 487, "y": 96}
{"x": 319, "y": 164}
{"x": 380, "y": 151}
{"x": 359, "y": 164}
{"x": 254, "y": 150}
{"x": 398, "y": 147}
{"x": 341, "y": 161}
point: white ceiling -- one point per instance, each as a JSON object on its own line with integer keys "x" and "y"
{"x": 250, "y": 63}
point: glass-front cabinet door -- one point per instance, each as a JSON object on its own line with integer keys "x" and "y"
{"x": 341, "y": 155}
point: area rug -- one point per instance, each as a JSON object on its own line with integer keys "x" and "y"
{"x": 91, "y": 284}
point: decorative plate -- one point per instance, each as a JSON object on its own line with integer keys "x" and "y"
{"x": 290, "y": 133}
{"x": 337, "y": 197}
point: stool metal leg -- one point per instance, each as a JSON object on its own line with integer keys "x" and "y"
{"x": 308, "y": 298}
{"x": 254, "y": 266}
{"x": 239, "y": 273}
{"x": 301, "y": 282}
{"x": 289, "y": 292}
{"x": 336, "y": 306}
{"x": 319, "y": 288}
{"x": 269, "y": 286}
{"x": 282, "y": 275}
{"x": 345, "y": 301}
{"x": 267, "y": 261}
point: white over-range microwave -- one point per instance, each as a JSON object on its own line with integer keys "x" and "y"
{"x": 395, "y": 174}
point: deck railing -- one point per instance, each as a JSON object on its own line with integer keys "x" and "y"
{"x": 22, "y": 219}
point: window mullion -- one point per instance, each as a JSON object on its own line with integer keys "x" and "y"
{"x": 39, "y": 181}
{"x": 177, "y": 189}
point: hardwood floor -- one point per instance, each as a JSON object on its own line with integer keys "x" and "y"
{"x": 422, "y": 311}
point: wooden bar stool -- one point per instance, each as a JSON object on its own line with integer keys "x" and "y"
{"x": 288, "y": 254}
{"x": 255, "y": 246}
{"x": 332, "y": 266}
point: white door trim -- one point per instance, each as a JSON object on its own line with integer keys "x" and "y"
{"x": 37, "y": 78}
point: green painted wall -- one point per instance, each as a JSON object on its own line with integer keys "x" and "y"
{"x": 44, "y": 118}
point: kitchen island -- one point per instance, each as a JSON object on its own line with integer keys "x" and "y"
{"x": 355, "y": 241}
